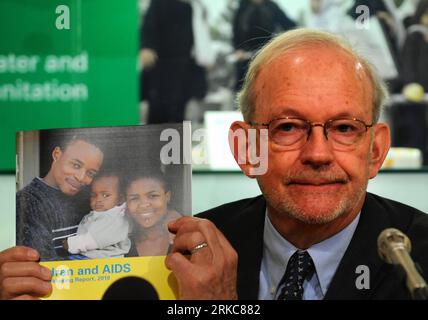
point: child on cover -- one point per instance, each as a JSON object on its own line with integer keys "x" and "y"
{"x": 148, "y": 199}
{"x": 103, "y": 233}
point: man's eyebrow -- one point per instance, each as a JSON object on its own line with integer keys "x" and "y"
{"x": 287, "y": 111}
{"x": 292, "y": 112}
{"x": 82, "y": 163}
{"x": 345, "y": 114}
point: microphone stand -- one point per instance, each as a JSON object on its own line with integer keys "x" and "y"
{"x": 420, "y": 293}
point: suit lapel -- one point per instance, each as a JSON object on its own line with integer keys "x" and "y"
{"x": 362, "y": 251}
{"x": 247, "y": 238}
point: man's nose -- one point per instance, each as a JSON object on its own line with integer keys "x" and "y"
{"x": 317, "y": 151}
{"x": 83, "y": 177}
{"x": 80, "y": 175}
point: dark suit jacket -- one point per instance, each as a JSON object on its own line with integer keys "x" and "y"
{"x": 242, "y": 223}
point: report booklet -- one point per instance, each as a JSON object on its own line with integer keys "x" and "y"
{"x": 95, "y": 203}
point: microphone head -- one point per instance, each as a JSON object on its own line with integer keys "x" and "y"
{"x": 389, "y": 240}
{"x": 131, "y": 288}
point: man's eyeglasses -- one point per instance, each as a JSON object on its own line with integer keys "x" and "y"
{"x": 294, "y": 132}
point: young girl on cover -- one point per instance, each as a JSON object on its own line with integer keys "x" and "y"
{"x": 103, "y": 233}
{"x": 148, "y": 197}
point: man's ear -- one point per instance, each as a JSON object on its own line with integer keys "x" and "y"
{"x": 56, "y": 154}
{"x": 380, "y": 147}
{"x": 238, "y": 143}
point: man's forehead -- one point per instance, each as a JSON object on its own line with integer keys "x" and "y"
{"x": 82, "y": 145}
{"x": 85, "y": 153}
{"x": 315, "y": 76}
{"x": 312, "y": 58}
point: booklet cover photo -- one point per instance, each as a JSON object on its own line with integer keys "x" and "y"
{"x": 95, "y": 203}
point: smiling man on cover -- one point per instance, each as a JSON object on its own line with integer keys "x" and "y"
{"x": 49, "y": 209}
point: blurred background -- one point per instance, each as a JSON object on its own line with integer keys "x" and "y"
{"x": 392, "y": 34}
{"x": 155, "y": 61}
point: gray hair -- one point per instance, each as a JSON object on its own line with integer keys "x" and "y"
{"x": 298, "y": 38}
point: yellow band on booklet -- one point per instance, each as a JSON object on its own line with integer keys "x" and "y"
{"x": 90, "y": 279}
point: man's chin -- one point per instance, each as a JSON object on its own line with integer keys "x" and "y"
{"x": 315, "y": 212}
{"x": 70, "y": 192}
{"x": 315, "y": 217}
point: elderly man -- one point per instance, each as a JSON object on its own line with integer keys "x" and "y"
{"x": 315, "y": 225}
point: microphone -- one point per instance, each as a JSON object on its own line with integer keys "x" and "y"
{"x": 394, "y": 248}
{"x": 131, "y": 288}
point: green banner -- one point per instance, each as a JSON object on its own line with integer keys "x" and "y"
{"x": 66, "y": 64}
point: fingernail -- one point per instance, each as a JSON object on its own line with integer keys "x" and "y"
{"x": 32, "y": 254}
{"x": 46, "y": 273}
{"x": 47, "y": 285}
{"x": 167, "y": 262}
